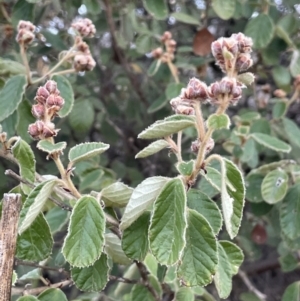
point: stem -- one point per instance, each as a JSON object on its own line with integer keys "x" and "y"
{"x": 173, "y": 70}
{"x": 179, "y": 156}
{"x": 71, "y": 70}
{"x": 199, "y": 120}
{"x": 25, "y": 62}
{"x": 293, "y": 99}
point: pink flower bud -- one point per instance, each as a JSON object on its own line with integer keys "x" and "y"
{"x": 243, "y": 62}
{"x": 33, "y": 131}
{"x": 196, "y": 89}
{"x": 51, "y": 87}
{"x": 156, "y": 53}
{"x": 227, "y": 85}
{"x": 83, "y": 47}
{"x": 26, "y": 25}
{"x": 49, "y": 131}
{"x": 209, "y": 145}
{"x": 195, "y": 146}
{"x": 184, "y": 110}
{"x": 216, "y": 47}
{"x": 279, "y": 93}
{"x": 55, "y": 100}
{"x": 38, "y": 111}
{"x": 84, "y": 27}
{"x": 41, "y": 95}
{"x": 25, "y": 36}
{"x": 84, "y": 62}
{"x": 166, "y": 36}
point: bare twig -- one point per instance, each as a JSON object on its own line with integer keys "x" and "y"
{"x": 250, "y": 286}
{"x": 8, "y": 241}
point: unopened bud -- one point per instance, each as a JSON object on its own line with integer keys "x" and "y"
{"x": 51, "y": 87}
{"x": 26, "y": 25}
{"x": 83, "y": 47}
{"x": 184, "y": 110}
{"x": 156, "y": 53}
{"x": 84, "y": 27}
{"x": 243, "y": 62}
{"x": 196, "y": 89}
{"x": 166, "y": 36}
{"x": 209, "y": 145}
{"x": 245, "y": 43}
{"x": 195, "y": 146}
{"x": 41, "y": 95}
{"x": 84, "y": 62}
{"x": 279, "y": 93}
{"x": 55, "y": 100}
{"x": 3, "y": 137}
{"x": 216, "y": 48}
{"x": 25, "y": 36}
{"x": 38, "y": 111}
{"x": 36, "y": 129}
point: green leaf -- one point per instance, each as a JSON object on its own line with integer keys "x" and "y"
{"x": 26, "y": 161}
{"x": 153, "y": 68}
{"x": 274, "y": 186}
{"x": 168, "y": 223}
{"x": 214, "y": 177}
{"x": 185, "y": 168}
{"x": 184, "y": 294}
{"x": 14, "y": 278}
{"x": 93, "y": 278}
{"x": 232, "y": 197}
{"x": 52, "y": 294}
{"x": 288, "y": 262}
{"x": 114, "y": 250}
{"x": 185, "y": 18}
{"x": 28, "y": 298}
{"x": 224, "y": 9}
{"x": 35, "y": 244}
{"x": 246, "y": 78}
{"x": 140, "y": 293}
{"x": 56, "y": 218}
{"x": 144, "y": 43}
{"x": 86, "y": 151}
{"x": 84, "y": 242}
{"x": 11, "y": 95}
{"x": 135, "y": 238}
{"x": 217, "y": 122}
{"x": 142, "y": 199}
{"x": 234, "y": 255}
{"x": 167, "y": 127}
{"x": 82, "y": 107}
{"x": 116, "y": 195}
{"x": 152, "y": 148}
{"x": 249, "y": 117}
{"x": 173, "y": 90}
{"x": 279, "y": 109}
{"x": 282, "y": 76}
{"x": 253, "y": 187}
{"x": 35, "y": 202}
{"x": 292, "y": 131}
{"x": 292, "y": 292}
{"x": 289, "y": 213}
{"x": 295, "y": 63}
{"x": 9, "y": 67}
{"x": 204, "y": 205}
{"x": 199, "y": 260}
{"x": 157, "y": 8}
{"x": 50, "y": 148}
{"x": 271, "y": 142}
{"x": 22, "y": 10}
{"x": 261, "y": 30}
{"x": 24, "y": 119}
{"x": 66, "y": 92}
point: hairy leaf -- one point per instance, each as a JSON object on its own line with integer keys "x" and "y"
{"x": 152, "y": 148}
{"x": 116, "y": 195}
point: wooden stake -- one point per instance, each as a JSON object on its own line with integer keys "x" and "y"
{"x": 11, "y": 208}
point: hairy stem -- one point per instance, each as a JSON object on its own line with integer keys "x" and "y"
{"x": 199, "y": 120}
{"x": 25, "y": 62}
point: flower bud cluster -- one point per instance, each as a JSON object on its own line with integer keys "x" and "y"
{"x": 49, "y": 103}
{"x": 195, "y": 146}
{"x": 83, "y": 60}
{"x": 170, "y": 48}
{"x": 25, "y": 34}
{"x": 84, "y": 27}
{"x": 228, "y": 88}
{"x": 233, "y": 54}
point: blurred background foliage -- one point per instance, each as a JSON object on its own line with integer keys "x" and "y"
{"x": 127, "y": 91}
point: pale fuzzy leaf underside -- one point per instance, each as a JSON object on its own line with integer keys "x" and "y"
{"x": 152, "y": 148}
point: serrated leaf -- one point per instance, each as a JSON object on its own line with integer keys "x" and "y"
{"x": 66, "y": 92}
{"x": 56, "y": 218}
{"x": 274, "y": 186}
{"x": 271, "y": 142}
{"x": 52, "y": 294}
{"x": 135, "y": 238}
{"x": 224, "y": 9}
{"x": 168, "y": 223}
{"x": 261, "y": 30}
{"x": 204, "y": 205}
{"x": 234, "y": 255}
{"x": 292, "y": 292}
{"x": 34, "y": 204}
{"x": 11, "y": 95}
{"x": 140, "y": 293}
{"x": 86, "y": 151}
{"x": 185, "y": 18}
{"x": 217, "y": 122}
{"x": 50, "y": 148}
{"x": 232, "y": 197}
{"x": 114, "y": 250}
{"x": 93, "y": 278}
{"x": 35, "y": 244}
{"x": 116, "y": 195}
{"x": 26, "y": 161}
{"x": 77, "y": 122}
{"x": 167, "y": 127}
{"x": 157, "y": 8}
{"x": 186, "y": 168}
{"x": 142, "y": 199}
{"x": 292, "y": 131}
{"x": 199, "y": 260}
{"x": 84, "y": 242}
{"x": 289, "y": 213}
{"x": 152, "y": 148}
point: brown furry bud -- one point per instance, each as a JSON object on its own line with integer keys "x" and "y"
{"x": 196, "y": 89}
{"x": 41, "y": 95}
{"x": 38, "y": 111}
{"x": 209, "y": 145}
{"x": 51, "y": 87}
{"x": 195, "y": 146}
{"x": 245, "y": 43}
{"x": 156, "y": 53}
{"x": 55, "y": 100}
{"x": 84, "y": 27}
{"x": 166, "y": 36}
{"x": 84, "y": 62}
{"x": 83, "y": 47}
{"x": 243, "y": 62}
{"x": 25, "y": 36}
